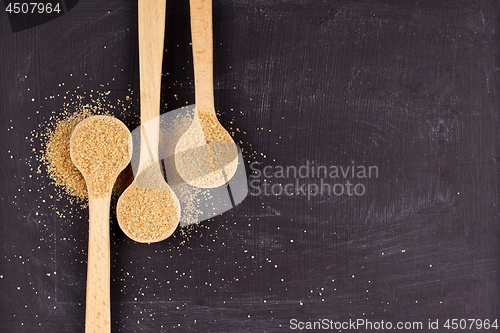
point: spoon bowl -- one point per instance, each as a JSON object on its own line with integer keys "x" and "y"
{"x": 148, "y": 210}
{"x": 206, "y": 155}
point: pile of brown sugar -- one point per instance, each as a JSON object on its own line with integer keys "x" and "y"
{"x": 57, "y": 156}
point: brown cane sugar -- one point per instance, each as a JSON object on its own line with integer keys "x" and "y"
{"x": 57, "y": 158}
{"x": 56, "y": 155}
{"x": 206, "y": 160}
{"x": 148, "y": 212}
{"x": 101, "y": 148}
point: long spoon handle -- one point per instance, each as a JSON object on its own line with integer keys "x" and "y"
{"x": 98, "y": 313}
{"x": 151, "y": 22}
{"x": 202, "y": 38}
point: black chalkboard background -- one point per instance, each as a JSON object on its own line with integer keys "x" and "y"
{"x": 410, "y": 87}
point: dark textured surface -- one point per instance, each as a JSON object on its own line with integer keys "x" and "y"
{"x": 408, "y": 86}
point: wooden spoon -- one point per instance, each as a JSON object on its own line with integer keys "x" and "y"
{"x": 100, "y": 147}
{"x": 206, "y": 155}
{"x": 148, "y": 210}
